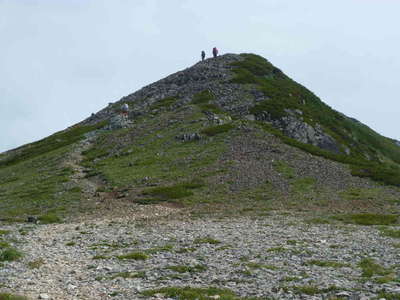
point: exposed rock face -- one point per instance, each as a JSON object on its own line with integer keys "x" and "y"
{"x": 214, "y": 75}
{"x": 118, "y": 121}
{"x": 186, "y": 137}
{"x": 295, "y": 127}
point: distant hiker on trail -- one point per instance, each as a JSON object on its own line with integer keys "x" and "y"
{"x": 124, "y": 110}
{"x": 203, "y": 55}
{"x": 215, "y": 52}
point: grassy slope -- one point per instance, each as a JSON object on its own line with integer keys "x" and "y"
{"x": 285, "y": 93}
{"x": 153, "y": 165}
{"x": 33, "y": 178}
{"x": 152, "y": 155}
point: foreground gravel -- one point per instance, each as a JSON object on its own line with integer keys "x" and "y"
{"x": 274, "y": 256}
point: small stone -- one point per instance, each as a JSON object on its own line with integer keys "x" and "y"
{"x": 343, "y": 294}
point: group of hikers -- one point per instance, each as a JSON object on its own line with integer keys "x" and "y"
{"x": 214, "y": 53}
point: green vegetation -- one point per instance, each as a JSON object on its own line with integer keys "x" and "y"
{"x": 10, "y": 254}
{"x": 49, "y": 144}
{"x": 202, "y": 100}
{"x": 253, "y": 265}
{"x": 4, "y": 245}
{"x": 70, "y": 243}
{"x": 39, "y": 188}
{"x": 390, "y": 232}
{"x": 4, "y": 232}
{"x": 128, "y": 275}
{"x": 360, "y": 194}
{"x": 49, "y": 218}
{"x": 190, "y": 293}
{"x": 186, "y": 250}
{"x": 276, "y": 249}
{"x": 206, "y": 240}
{"x": 214, "y": 130}
{"x": 283, "y": 93}
{"x": 283, "y": 168}
{"x": 6, "y": 296}
{"x": 155, "y": 164}
{"x": 312, "y": 289}
{"x": 36, "y": 264}
{"x": 203, "y": 97}
{"x": 164, "y": 103}
{"x": 176, "y": 191}
{"x": 134, "y": 256}
{"x": 165, "y": 248}
{"x": 100, "y": 256}
{"x": 326, "y": 264}
{"x": 388, "y": 296}
{"x": 367, "y": 219}
{"x": 211, "y": 107}
{"x": 371, "y": 268}
{"x": 187, "y": 269}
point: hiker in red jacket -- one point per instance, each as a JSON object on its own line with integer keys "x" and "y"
{"x": 215, "y": 52}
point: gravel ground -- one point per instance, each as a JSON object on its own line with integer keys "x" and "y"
{"x": 276, "y": 256}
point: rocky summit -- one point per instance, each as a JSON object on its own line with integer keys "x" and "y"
{"x": 227, "y": 180}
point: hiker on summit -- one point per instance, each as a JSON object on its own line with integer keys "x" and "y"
{"x": 215, "y": 52}
{"x": 124, "y": 110}
{"x": 203, "y": 55}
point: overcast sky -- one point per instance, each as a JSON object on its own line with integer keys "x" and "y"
{"x": 61, "y": 60}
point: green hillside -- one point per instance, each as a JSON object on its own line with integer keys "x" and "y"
{"x": 189, "y": 150}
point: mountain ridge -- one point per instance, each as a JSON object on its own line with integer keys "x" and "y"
{"x": 186, "y": 141}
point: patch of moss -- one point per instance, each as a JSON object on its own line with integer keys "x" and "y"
{"x": 134, "y": 256}
{"x": 128, "y": 275}
{"x": 218, "y": 129}
{"x": 211, "y": 107}
{"x": 312, "y": 289}
{"x": 390, "y": 232}
{"x": 371, "y": 268}
{"x": 283, "y": 168}
{"x": 206, "y": 240}
{"x": 203, "y": 97}
{"x": 6, "y": 296}
{"x": 326, "y": 264}
{"x": 187, "y": 269}
{"x": 367, "y": 219}
{"x": 176, "y": 191}
{"x": 50, "y": 218}
{"x": 10, "y": 254}
{"x": 36, "y": 264}
{"x": 164, "y": 103}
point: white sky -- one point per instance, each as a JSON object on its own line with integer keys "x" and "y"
{"x": 61, "y": 60}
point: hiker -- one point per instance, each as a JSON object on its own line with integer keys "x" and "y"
{"x": 125, "y": 110}
{"x": 203, "y": 55}
{"x": 215, "y": 52}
